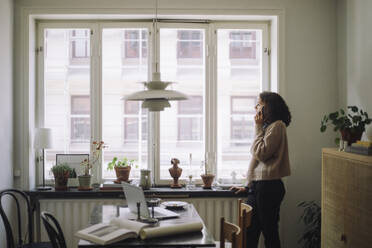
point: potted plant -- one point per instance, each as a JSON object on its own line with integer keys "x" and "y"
{"x": 350, "y": 123}
{"x": 311, "y": 217}
{"x": 85, "y": 179}
{"x": 207, "y": 177}
{"x": 61, "y": 174}
{"x": 122, "y": 168}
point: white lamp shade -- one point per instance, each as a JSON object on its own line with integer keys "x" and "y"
{"x": 156, "y": 91}
{"x": 43, "y": 138}
{"x": 156, "y": 94}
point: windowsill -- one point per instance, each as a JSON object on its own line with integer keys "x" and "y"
{"x": 162, "y": 192}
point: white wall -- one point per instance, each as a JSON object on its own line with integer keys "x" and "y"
{"x": 6, "y": 102}
{"x": 355, "y": 53}
{"x": 310, "y": 77}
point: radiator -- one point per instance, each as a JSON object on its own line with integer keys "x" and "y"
{"x": 73, "y": 215}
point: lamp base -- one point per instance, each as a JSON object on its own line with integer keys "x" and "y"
{"x": 43, "y": 188}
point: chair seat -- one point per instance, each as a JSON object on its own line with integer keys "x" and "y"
{"x": 38, "y": 245}
{"x": 227, "y": 244}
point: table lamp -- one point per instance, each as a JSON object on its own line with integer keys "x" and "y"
{"x": 43, "y": 140}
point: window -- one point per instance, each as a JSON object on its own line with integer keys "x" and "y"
{"x": 239, "y": 81}
{"x": 79, "y": 51}
{"x": 181, "y": 125}
{"x": 189, "y": 44}
{"x": 80, "y": 119}
{"x": 190, "y": 119}
{"x": 242, "y": 114}
{"x": 135, "y": 122}
{"x": 135, "y": 44}
{"x": 242, "y": 45}
{"x": 124, "y": 123}
{"x": 65, "y": 106}
{"x": 82, "y": 102}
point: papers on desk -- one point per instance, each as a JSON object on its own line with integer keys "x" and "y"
{"x": 122, "y": 228}
{"x": 161, "y": 231}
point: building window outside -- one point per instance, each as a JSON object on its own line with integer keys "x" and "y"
{"x": 242, "y": 110}
{"x": 190, "y": 119}
{"x": 189, "y": 44}
{"x": 79, "y": 51}
{"x": 135, "y": 44}
{"x": 80, "y": 119}
{"x": 242, "y": 45}
{"x": 135, "y": 122}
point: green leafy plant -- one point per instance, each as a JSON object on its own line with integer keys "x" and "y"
{"x": 356, "y": 120}
{"x": 125, "y": 162}
{"x": 352, "y": 120}
{"x": 60, "y": 170}
{"x": 311, "y": 217}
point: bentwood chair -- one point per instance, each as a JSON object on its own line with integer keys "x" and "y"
{"x": 54, "y": 230}
{"x": 244, "y": 218}
{"x": 21, "y": 202}
{"x": 229, "y": 232}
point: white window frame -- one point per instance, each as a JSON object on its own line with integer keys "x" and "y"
{"x": 210, "y": 97}
{"x": 94, "y": 76}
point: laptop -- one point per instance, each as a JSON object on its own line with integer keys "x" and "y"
{"x": 135, "y": 194}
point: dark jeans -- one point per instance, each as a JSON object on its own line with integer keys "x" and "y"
{"x": 265, "y": 198}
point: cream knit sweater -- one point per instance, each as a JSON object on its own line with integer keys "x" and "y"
{"x": 269, "y": 150}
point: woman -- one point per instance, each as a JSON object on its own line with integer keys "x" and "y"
{"x": 270, "y": 162}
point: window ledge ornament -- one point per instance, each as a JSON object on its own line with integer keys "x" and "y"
{"x": 156, "y": 97}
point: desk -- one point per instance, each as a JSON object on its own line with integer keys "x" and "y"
{"x": 73, "y": 194}
{"x": 104, "y": 213}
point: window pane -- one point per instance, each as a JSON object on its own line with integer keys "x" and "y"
{"x": 124, "y": 65}
{"x": 67, "y": 90}
{"x": 189, "y": 44}
{"x": 239, "y": 70}
{"x": 181, "y": 125}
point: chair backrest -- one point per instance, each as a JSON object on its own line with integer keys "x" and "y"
{"x": 19, "y": 197}
{"x": 244, "y": 218}
{"x": 54, "y": 230}
{"x": 229, "y": 232}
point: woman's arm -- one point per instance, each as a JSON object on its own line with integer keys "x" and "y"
{"x": 268, "y": 141}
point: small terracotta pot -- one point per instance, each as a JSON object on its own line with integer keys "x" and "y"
{"x": 351, "y": 136}
{"x": 60, "y": 181}
{"x": 122, "y": 173}
{"x": 207, "y": 180}
{"x": 84, "y": 181}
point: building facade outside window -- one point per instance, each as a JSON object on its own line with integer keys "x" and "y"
{"x": 242, "y": 123}
{"x": 80, "y": 119}
{"x": 190, "y": 119}
{"x": 135, "y": 122}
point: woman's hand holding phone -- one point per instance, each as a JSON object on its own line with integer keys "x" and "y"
{"x": 259, "y": 117}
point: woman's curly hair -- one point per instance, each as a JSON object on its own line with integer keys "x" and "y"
{"x": 275, "y": 108}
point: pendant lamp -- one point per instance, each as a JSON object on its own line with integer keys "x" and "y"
{"x": 156, "y": 97}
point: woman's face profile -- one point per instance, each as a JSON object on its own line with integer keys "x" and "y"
{"x": 260, "y": 104}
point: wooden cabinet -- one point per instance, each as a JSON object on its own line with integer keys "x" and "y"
{"x": 346, "y": 199}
